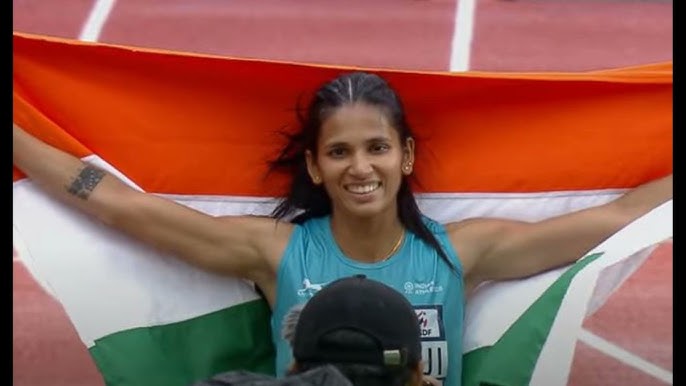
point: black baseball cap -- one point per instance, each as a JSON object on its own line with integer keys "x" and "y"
{"x": 365, "y": 306}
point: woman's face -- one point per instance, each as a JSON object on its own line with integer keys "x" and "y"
{"x": 360, "y": 160}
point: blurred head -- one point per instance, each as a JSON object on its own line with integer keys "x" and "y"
{"x": 366, "y": 329}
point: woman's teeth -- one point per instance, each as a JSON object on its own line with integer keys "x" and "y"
{"x": 362, "y": 188}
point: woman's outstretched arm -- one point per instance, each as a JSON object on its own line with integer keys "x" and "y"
{"x": 242, "y": 246}
{"x": 498, "y": 249}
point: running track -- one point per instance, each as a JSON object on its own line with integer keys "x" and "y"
{"x": 628, "y": 341}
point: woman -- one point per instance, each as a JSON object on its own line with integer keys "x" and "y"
{"x": 354, "y": 214}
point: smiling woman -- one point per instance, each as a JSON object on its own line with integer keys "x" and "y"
{"x": 358, "y": 151}
{"x": 351, "y": 165}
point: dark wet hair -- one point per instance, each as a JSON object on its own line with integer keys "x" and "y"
{"x": 306, "y": 200}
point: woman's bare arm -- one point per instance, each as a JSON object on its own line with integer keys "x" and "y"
{"x": 498, "y": 249}
{"x": 242, "y": 246}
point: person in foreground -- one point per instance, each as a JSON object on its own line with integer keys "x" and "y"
{"x": 355, "y": 331}
{"x": 350, "y": 210}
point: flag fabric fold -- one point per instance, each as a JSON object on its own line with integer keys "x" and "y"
{"x": 199, "y": 130}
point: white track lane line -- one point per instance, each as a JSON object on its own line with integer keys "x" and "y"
{"x": 96, "y": 20}
{"x": 463, "y": 30}
{"x": 625, "y": 357}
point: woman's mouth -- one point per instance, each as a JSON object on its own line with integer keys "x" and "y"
{"x": 365, "y": 188}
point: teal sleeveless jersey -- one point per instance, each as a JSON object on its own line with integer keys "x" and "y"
{"x": 313, "y": 259}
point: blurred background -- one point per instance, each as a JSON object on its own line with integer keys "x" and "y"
{"x": 630, "y": 337}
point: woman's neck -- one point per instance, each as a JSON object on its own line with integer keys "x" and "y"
{"x": 368, "y": 239}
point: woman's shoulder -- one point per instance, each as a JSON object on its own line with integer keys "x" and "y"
{"x": 311, "y": 223}
{"x": 433, "y": 225}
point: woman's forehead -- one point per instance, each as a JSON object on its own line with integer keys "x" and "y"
{"x": 356, "y": 122}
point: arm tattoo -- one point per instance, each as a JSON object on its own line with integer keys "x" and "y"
{"x": 82, "y": 186}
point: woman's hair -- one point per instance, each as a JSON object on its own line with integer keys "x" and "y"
{"x": 307, "y": 200}
{"x": 362, "y": 374}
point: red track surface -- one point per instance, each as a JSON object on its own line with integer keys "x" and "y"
{"x": 47, "y": 350}
{"x": 570, "y": 35}
{"x": 509, "y": 35}
{"x": 639, "y": 318}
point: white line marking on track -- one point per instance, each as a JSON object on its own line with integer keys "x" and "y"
{"x": 462, "y": 35}
{"x": 96, "y": 20}
{"x": 626, "y": 357}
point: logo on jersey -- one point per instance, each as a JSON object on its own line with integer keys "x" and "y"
{"x": 418, "y": 288}
{"x": 309, "y": 288}
{"x": 430, "y": 322}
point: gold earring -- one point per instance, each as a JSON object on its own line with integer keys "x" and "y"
{"x": 315, "y": 179}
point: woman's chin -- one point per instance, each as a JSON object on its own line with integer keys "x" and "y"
{"x": 367, "y": 209}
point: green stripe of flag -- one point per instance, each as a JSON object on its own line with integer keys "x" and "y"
{"x": 181, "y": 353}
{"x": 511, "y": 360}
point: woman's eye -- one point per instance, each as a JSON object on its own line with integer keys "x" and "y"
{"x": 379, "y": 148}
{"x": 337, "y": 152}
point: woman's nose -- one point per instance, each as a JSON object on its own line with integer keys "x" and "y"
{"x": 360, "y": 166}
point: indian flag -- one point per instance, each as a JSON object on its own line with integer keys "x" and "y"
{"x": 199, "y": 130}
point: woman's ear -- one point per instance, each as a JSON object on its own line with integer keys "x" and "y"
{"x": 312, "y": 168}
{"x": 408, "y": 156}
